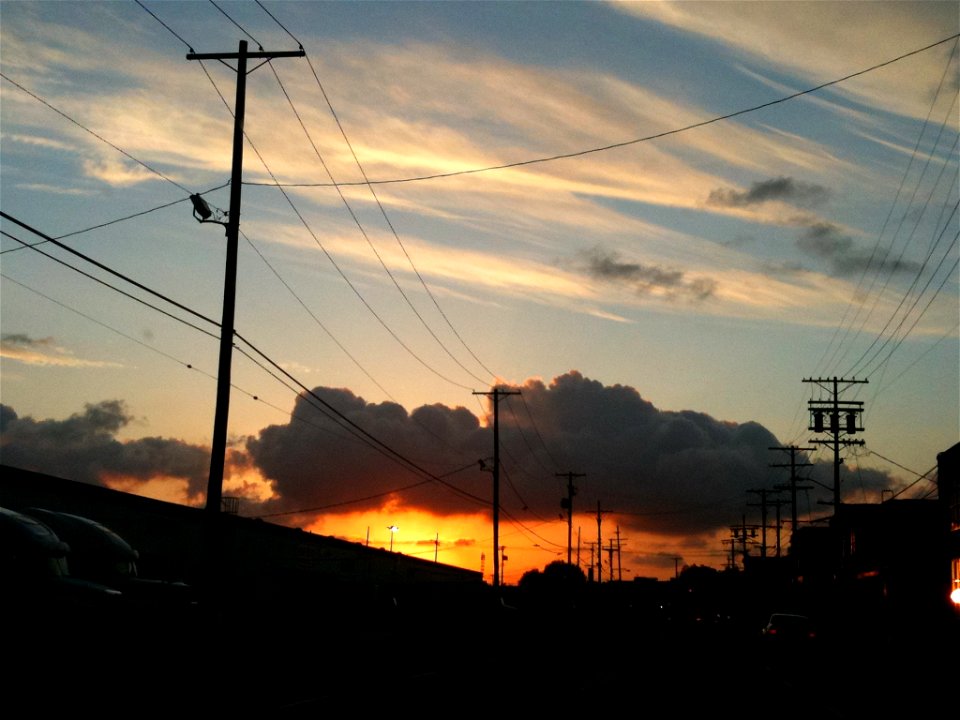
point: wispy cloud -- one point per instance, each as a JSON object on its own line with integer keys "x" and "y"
{"x": 837, "y": 39}
{"x": 43, "y": 351}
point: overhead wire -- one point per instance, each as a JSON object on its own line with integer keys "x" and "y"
{"x": 105, "y": 268}
{"x": 47, "y": 238}
{"x": 88, "y": 130}
{"x": 859, "y": 298}
{"x": 892, "y": 267}
{"x": 238, "y": 25}
{"x": 364, "y": 233}
{"x": 119, "y": 220}
{"x": 102, "y": 324}
{"x": 647, "y": 138}
{"x": 332, "y": 260}
{"x": 902, "y": 183}
{"x": 339, "y": 417}
{"x": 355, "y": 428}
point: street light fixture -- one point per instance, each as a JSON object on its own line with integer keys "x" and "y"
{"x": 203, "y": 212}
{"x": 393, "y": 529}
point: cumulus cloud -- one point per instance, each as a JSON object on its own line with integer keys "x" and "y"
{"x": 783, "y": 189}
{"x": 84, "y": 447}
{"x": 607, "y": 266}
{"x": 676, "y": 474}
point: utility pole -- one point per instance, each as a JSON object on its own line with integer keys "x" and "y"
{"x": 578, "y": 546}
{"x": 567, "y": 503}
{"x": 793, "y": 487}
{"x": 619, "y": 557}
{"x": 592, "y": 567}
{"x": 777, "y": 503}
{"x": 834, "y": 408}
{"x": 741, "y": 535}
{"x": 496, "y": 394}
{"x": 219, "y": 442}
{"x": 610, "y": 551}
{"x": 599, "y": 547}
{"x": 763, "y": 519}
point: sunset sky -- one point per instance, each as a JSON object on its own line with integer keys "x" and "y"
{"x": 651, "y": 222}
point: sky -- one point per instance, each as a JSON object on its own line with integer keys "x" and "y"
{"x": 661, "y": 229}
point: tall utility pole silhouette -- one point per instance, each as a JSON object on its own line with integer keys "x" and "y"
{"x": 763, "y": 519}
{"x": 219, "y": 443}
{"x": 610, "y": 551}
{"x": 793, "y": 487}
{"x": 743, "y": 534}
{"x": 599, "y": 547}
{"x": 567, "y": 503}
{"x": 777, "y": 503}
{"x": 833, "y": 409}
{"x": 496, "y": 394}
{"x": 619, "y": 557}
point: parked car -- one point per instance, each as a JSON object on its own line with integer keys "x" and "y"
{"x": 99, "y": 554}
{"x": 35, "y": 576}
{"x": 789, "y": 628}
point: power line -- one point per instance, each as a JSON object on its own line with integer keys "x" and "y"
{"x": 118, "y": 220}
{"x": 333, "y": 262}
{"x": 99, "y": 137}
{"x": 900, "y": 188}
{"x": 647, "y": 138}
{"x": 363, "y": 232}
{"x": 105, "y": 268}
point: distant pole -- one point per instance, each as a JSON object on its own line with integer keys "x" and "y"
{"x": 496, "y": 394}
{"x": 436, "y": 547}
{"x": 567, "y": 503}
{"x": 219, "y": 443}
{"x": 599, "y": 547}
{"x": 793, "y": 487}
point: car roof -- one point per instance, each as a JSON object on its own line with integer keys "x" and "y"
{"x": 84, "y": 535}
{"x": 26, "y": 532}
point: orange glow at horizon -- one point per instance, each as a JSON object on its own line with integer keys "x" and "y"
{"x": 466, "y": 540}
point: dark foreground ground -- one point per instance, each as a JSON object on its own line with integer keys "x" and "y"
{"x": 290, "y": 661}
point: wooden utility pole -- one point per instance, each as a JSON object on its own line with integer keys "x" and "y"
{"x": 793, "y": 487}
{"x": 219, "y": 443}
{"x": 496, "y": 394}
{"x": 567, "y": 503}
{"x": 833, "y": 409}
{"x": 599, "y": 547}
{"x": 763, "y": 519}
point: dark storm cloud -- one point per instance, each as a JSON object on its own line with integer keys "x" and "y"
{"x": 314, "y": 461}
{"x": 681, "y": 473}
{"x": 607, "y": 266}
{"x": 828, "y": 242}
{"x": 678, "y": 473}
{"x": 84, "y": 447}
{"x": 781, "y": 188}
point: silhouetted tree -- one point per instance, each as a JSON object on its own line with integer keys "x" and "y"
{"x": 559, "y": 585}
